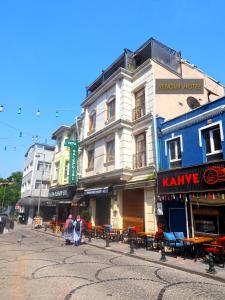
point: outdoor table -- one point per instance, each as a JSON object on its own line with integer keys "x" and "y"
{"x": 98, "y": 230}
{"x": 197, "y": 245}
{"x": 118, "y": 232}
{"x": 143, "y": 235}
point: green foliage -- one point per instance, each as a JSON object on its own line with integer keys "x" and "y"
{"x": 151, "y": 176}
{"x": 86, "y": 215}
{"x": 10, "y": 193}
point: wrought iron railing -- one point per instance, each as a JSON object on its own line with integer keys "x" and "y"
{"x": 139, "y": 160}
{"x": 138, "y": 112}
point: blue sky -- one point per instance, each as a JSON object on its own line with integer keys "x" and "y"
{"x": 51, "y": 49}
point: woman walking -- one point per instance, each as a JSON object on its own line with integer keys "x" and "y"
{"x": 68, "y": 227}
{"x": 77, "y": 230}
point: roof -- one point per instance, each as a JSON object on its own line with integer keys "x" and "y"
{"x": 60, "y": 130}
{"x": 46, "y": 147}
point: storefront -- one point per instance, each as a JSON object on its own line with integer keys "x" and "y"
{"x": 133, "y": 208}
{"x": 192, "y": 199}
{"x": 64, "y": 196}
{"x": 29, "y": 206}
{"x": 99, "y": 200}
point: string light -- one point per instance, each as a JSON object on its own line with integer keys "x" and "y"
{"x": 38, "y": 113}
{"x": 19, "y": 111}
{"x": 21, "y": 134}
{"x": 1, "y": 108}
{"x": 57, "y": 114}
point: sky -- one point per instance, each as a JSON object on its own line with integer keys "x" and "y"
{"x": 50, "y": 50}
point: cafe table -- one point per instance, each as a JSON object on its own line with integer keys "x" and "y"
{"x": 196, "y": 245}
{"x": 143, "y": 236}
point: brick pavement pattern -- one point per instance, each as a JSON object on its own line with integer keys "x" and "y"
{"x": 38, "y": 266}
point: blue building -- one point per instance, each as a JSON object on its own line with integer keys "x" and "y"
{"x": 191, "y": 177}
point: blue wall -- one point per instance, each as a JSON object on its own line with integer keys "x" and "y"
{"x": 192, "y": 153}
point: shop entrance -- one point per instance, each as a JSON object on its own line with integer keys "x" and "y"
{"x": 177, "y": 220}
{"x": 102, "y": 211}
{"x": 133, "y": 209}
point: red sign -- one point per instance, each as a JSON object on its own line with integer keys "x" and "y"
{"x": 205, "y": 177}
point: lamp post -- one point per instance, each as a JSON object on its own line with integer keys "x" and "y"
{"x": 42, "y": 175}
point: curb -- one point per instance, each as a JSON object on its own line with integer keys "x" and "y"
{"x": 165, "y": 264}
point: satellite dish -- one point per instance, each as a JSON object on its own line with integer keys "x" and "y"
{"x": 192, "y": 102}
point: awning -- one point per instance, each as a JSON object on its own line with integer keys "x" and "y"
{"x": 33, "y": 201}
{"x": 96, "y": 191}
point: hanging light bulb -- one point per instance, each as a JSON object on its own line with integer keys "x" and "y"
{"x": 5, "y": 148}
{"x": 38, "y": 113}
{"x": 36, "y": 138}
{"x": 1, "y": 108}
{"x": 57, "y": 114}
{"x": 19, "y": 111}
{"x": 21, "y": 134}
{"x": 32, "y": 138}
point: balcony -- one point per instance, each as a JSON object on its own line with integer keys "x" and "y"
{"x": 139, "y": 160}
{"x": 138, "y": 112}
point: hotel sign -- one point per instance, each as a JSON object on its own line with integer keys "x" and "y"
{"x": 73, "y": 145}
{"x": 206, "y": 177}
{"x": 179, "y": 86}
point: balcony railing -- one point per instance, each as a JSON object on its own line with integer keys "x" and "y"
{"x": 138, "y": 112}
{"x": 139, "y": 160}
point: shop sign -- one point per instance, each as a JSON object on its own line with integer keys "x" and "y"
{"x": 62, "y": 192}
{"x": 205, "y": 177}
{"x": 73, "y": 145}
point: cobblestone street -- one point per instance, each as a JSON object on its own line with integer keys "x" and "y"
{"x": 38, "y": 266}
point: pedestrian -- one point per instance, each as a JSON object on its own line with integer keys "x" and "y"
{"x": 68, "y": 230}
{"x": 77, "y": 230}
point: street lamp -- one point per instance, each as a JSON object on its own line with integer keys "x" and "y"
{"x": 42, "y": 175}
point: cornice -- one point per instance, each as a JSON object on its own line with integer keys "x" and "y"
{"x": 107, "y": 84}
{"x": 194, "y": 120}
{"x": 106, "y": 130}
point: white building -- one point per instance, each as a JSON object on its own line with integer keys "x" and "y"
{"x": 36, "y": 181}
{"x": 119, "y": 157}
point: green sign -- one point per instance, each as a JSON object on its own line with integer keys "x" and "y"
{"x": 73, "y": 145}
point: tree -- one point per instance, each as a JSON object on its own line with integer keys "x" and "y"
{"x": 10, "y": 189}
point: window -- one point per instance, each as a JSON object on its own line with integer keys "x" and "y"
{"x": 41, "y": 185}
{"x": 91, "y": 159}
{"x": 111, "y": 109}
{"x": 174, "y": 153}
{"x": 66, "y": 171}
{"x": 140, "y": 156}
{"x": 38, "y": 184}
{"x": 139, "y": 110}
{"x": 92, "y": 121}
{"x": 110, "y": 151}
{"x": 56, "y": 174}
{"x": 59, "y": 144}
{"x": 213, "y": 146}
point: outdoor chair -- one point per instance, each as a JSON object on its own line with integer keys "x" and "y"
{"x": 132, "y": 236}
{"x": 217, "y": 248}
{"x": 171, "y": 242}
{"x": 155, "y": 241}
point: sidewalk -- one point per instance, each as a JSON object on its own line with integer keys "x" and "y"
{"x": 187, "y": 265}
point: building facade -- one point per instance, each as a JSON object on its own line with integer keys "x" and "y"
{"x": 64, "y": 173}
{"x": 191, "y": 190}
{"x": 119, "y": 158}
{"x": 36, "y": 181}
